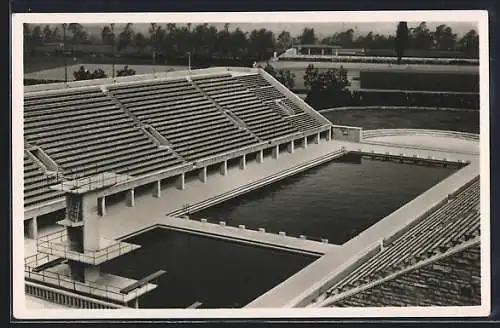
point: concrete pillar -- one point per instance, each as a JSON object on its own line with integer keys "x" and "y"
{"x": 223, "y": 168}
{"x": 91, "y": 218}
{"x": 243, "y": 162}
{"x": 276, "y": 152}
{"x": 180, "y": 182}
{"x": 91, "y": 273}
{"x": 101, "y": 205}
{"x": 130, "y": 198}
{"x": 33, "y": 228}
{"x": 136, "y": 303}
{"x": 328, "y": 135}
{"x": 291, "y": 146}
{"x": 317, "y": 138}
{"x": 260, "y": 156}
{"x": 157, "y": 189}
{"x": 202, "y": 175}
{"x": 305, "y": 142}
{"x": 309, "y": 51}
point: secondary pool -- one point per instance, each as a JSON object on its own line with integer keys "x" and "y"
{"x": 216, "y": 273}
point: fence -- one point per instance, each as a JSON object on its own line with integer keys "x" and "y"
{"x": 58, "y": 279}
{"x": 56, "y": 244}
{"x": 438, "y": 133}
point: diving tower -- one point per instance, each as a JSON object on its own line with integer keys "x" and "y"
{"x": 71, "y": 258}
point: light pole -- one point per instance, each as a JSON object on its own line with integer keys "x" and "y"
{"x": 114, "y": 42}
{"x": 189, "y": 61}
{"x": 64, "y": 53}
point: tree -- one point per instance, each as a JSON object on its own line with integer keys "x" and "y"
{"x": 401, "y": 41}
{"x": 310, "y": 76}
{"x": 56, "y": 34}
{"x": 82, "y": 74}
{"x": 78, "y": 32}
{"x": 261, "y": 43}
{"x": 238, "y": 42}
{"x": 98, "y": 74}
{"x": 444, "y": 38}
{"x": 107, "y": 36}
{"x": 47, "y": 34}
{"x": 26, "y": 38}
{"x": 469, "y": 43}
{"x": 126, "y": 71}
{"x": 269, "y": 69}
{"x": 286, "y": 77}
{"x": 140, "y": 41}
{"x": 85, "y": 74}
{"x": 345, "y": 38}
{"x": 36, "y": 38}
{"x": 156, "y": 35}
{"x": 308, "y": 36}
{"x": 223, "y": 42}
{"x": 328, "y": 90}
{"x": 421, "y": 37}
{"x": 125, "y": 37}
{"x": 284, "y": 40}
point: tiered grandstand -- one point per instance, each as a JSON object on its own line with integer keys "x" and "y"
{"x": 189, "y": 121}
{"x": 249, "y": 109}
{"x": 84, "y": 133}
{"x": 142, "y": 127}
{"x": 434, "y": 260}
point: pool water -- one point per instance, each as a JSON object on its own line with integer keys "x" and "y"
{"x": 216, "y": 273}
{"x": 336, "y": 200}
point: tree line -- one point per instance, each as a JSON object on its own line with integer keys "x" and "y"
{"x": 207, "y": 40}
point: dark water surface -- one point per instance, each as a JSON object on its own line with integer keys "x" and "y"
{"x": 219, "y": 274}
{"x": 337, "y": 200}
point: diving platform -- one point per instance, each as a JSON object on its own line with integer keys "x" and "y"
{"x": 58, "y": 244}
{"x": 92, "y": 183}
{"x": 106, "y": 286}
{"x": 49, "y": 264}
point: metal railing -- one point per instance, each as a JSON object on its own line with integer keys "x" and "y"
{"x": 53, "y": 244}
{"x": 61, "y": 280}
{"x": 98, "y": 181}
{"x": 438, "y": 133}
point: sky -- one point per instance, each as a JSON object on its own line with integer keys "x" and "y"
{"x": 321, "y": 29}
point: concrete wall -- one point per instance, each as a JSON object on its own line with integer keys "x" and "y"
{"x": 335, "y": 277}
{"x": 346, "y": 133}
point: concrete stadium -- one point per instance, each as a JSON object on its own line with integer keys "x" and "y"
{"x": 172, "y": 143}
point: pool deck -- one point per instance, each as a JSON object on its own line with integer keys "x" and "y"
{"x": 121, "y": 221}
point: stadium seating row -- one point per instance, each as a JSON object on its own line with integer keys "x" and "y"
{"x": 191, "y": 123}
{"x": 451, "y": 281}
{"x": 232, "y": 96}
{"x": 86, "y": 133}
{"x": 90, "y": 130}
{"x": 36, "y": 184}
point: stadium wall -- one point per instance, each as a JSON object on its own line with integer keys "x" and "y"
{"x": 347, "y": 133}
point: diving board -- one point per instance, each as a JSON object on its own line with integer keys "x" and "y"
{"x": 142, "y": 282}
